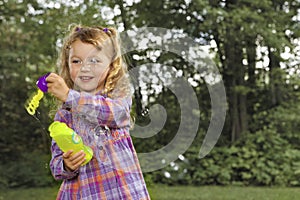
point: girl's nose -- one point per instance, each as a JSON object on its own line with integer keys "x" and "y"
{"x": 85, "y": 67}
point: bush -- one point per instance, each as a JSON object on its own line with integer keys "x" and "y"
{"x": 263, "y": 158}
{"x": 30, "y": 170}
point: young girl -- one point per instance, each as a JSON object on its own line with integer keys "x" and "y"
{"x": 94, "y": 89}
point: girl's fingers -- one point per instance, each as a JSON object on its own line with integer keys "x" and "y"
{"x": 57, "y": 87}
{"x": 77, "y": 157}
{"x": 67, "y": 154}
{"x": 73, "y": 162}
{"x": 51, "y": 77}
{"x": 79, "y": 162}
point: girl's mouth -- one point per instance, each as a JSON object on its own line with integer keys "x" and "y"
{"x": 85, "y": 78}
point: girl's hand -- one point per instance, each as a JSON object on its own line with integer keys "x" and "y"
{"x": 73, "y": 162}
{"x": 57, "y": 87}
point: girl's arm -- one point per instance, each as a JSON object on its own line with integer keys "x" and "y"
{"x": 114, "y": 113}
{"x": 99, "y": 109}
{"x": 57, "y": 165}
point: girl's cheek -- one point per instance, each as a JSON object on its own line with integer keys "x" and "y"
{"x": 73, "y": 74}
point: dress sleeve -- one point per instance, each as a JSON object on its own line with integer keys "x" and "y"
{"x": 57, "y": 165}
{"x": 99, "y": 109}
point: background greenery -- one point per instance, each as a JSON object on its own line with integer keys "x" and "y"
{"x": 249, "y": 39}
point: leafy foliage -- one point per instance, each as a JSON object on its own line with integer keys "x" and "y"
{"x": 263, "y": 158}
{"x": 31, "y": 170}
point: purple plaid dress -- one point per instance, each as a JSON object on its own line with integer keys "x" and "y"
{"x": 114, "y": 172}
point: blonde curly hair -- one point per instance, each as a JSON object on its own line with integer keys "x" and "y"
{"x": 117, "y": 81}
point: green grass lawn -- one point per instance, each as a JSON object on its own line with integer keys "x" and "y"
{"x": 162, "y": 192}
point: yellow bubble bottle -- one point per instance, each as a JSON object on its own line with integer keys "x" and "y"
{"x": 67, "y": 139}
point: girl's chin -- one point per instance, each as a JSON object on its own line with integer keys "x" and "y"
{"x": 92, "y": 91}
{"x": 88, "y": 89}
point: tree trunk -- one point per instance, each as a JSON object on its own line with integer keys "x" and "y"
{"x": 234, "y": 74}
{"x": 234, "y": 78}
{"x": 251, "y": 82}
{"x": 275, "y": 79}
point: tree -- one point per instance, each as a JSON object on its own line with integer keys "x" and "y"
{"x": 240, "y": 28}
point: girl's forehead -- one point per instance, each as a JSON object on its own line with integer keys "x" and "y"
{"x": 79, "y": 48}
{"x": 79, "y": 45}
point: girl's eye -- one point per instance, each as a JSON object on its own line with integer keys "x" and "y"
{"x": 94, "y": 61}
{"x": 76, "y": 61}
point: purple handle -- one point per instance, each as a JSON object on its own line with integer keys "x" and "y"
{"x": 42, "y": 83}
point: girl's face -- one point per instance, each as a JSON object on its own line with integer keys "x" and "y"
{"x": 89, "y": 66}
